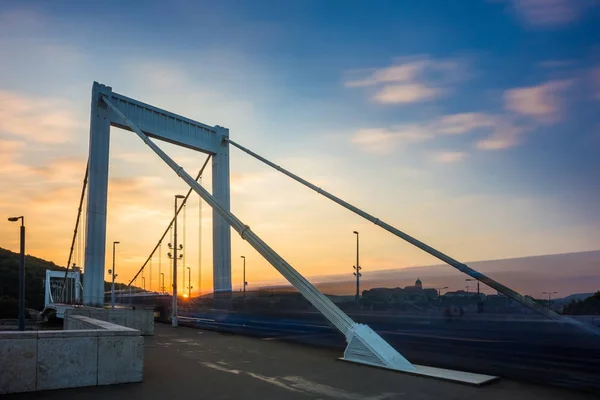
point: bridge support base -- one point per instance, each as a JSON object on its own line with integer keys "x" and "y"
{"x": 367, "y": 347}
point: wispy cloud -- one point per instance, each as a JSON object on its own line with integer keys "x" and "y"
{"x": 403, "y": 94}
{"x": 447, "y": 157}
{"x": 456, "y": 124}
{"x": 381, "y": 141}
{"x": 549, "y": 13}
{"x": 37, "y": 119}
{"x": 504, "y": 136}
{"x": 408, "y": 80}
{"x": 501, "y": 130}
{"x": 543, "y": 102}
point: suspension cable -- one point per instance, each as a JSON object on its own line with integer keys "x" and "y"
{"x": 200, "y": 242}
{"x": 321, "y": 302}
{"x": 171, "y": 223}
{"x": 438, "y": 254}
{"x": 85, "y": 179}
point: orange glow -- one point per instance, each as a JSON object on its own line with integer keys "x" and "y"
{"x": 185, "y": 295}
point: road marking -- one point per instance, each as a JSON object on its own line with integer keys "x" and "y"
{"x": 301, "y": 385}
{"x": 311, "y": 387}
{"x": 273, "y": 381}
{"x": 220, "y": 368}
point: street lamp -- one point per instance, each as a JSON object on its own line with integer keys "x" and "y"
{"x": 162, "y": 275}
{"x": 357, "y": 268}
{"x": 549, "y": 298}
{"x": 189, "y": 283}
{"x": 244, "y": 276}
{"x": 175, "y": 248}
{"x": 144, "y": 283}
{"x": 439, "y": 290}
{"x": 114, "y": 275}
{"x": 21, "y": 273}
{"x": 470, "y": 280}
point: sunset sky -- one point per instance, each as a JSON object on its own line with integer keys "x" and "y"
{"x": 472, "y": 125}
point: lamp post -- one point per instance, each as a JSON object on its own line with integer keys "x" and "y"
{"x": 175, "y": 248}
{"x": 549, "y": 298}
{"x": 357, "y": 268}
{"x": 244, "y": 277}
{"x": 439, "y": 290}
{"x": 144, "y": 283}
{"x": 162, "y": 276}
{"x": 189, "y": 283}
{"x": 21, "y": 273}
{"x": 469, "y": 280}
{"x": 114, "y": 275}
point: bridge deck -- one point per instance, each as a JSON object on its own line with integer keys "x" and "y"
{"x": 190, "y": 363}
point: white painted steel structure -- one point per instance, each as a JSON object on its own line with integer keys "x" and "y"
{"x": 53, "y": 287}
{"x": 364, "y": 345}
{"x": 166, "y": 126}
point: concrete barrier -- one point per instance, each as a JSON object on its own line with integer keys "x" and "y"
{"x": 88, "y": 352}
{"x": 139, "y": 319}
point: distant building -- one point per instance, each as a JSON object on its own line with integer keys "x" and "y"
{"x": 408, "y": 294}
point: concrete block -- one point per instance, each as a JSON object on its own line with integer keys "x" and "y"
{"x": 68, "y": 334}
{"x": 67, "y": 362}
{"x": 117, "y": 317}
{"x": 18, "y": 364}
{"x": 18, "y": 334}
{"x": 100, "y": 314}
{"x": 120, "y": 359}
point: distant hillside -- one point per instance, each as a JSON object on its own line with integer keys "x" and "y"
{"x": 573, "y": 297}
{"x": 35, "y": 273}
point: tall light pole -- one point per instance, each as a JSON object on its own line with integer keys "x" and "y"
{"x": 549, "y": 298}
{"x": 439, "y": 290}
{"x": 189, "y": 283}
{"x": 469, "y": 280}
{"x": 162, "y": 275}
{"x": 21, "y": 273}
{"x": 144, "y": 283}
{"x": 114, "y": 275}
{"x": 175, "y": 248}
{"x": 244, "y": 276}
{"x": 357, "y": 268}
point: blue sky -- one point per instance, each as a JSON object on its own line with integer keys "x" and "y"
{"x": 471, "y": 124}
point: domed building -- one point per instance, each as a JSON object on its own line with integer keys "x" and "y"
{"x": 409, "y": 294}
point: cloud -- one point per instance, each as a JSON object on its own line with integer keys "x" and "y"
{"x": 37, "y": 119}
{"x": 543, "y": 102}
{"x": 549, "y": 13}
{"x": 381, "y": 141}
{"x": 404, "y": 72}
{"x": 449, "y": 156}
{"x": 502, "y": 130}
{"x": 402, "y": 94}
{"x": 456, "y": 124}
{"x": 409, "y": 80}
{"x": 504, "y": 136}
{"x": 10, "y": 150}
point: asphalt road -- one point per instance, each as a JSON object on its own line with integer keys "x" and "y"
{"x": 529, "y": 352}
{"x": 186, "y": 363}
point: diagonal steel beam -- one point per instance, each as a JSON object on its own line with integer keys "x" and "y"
{"x": 438, "y": 254}
{"x": 364, "y": 345}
